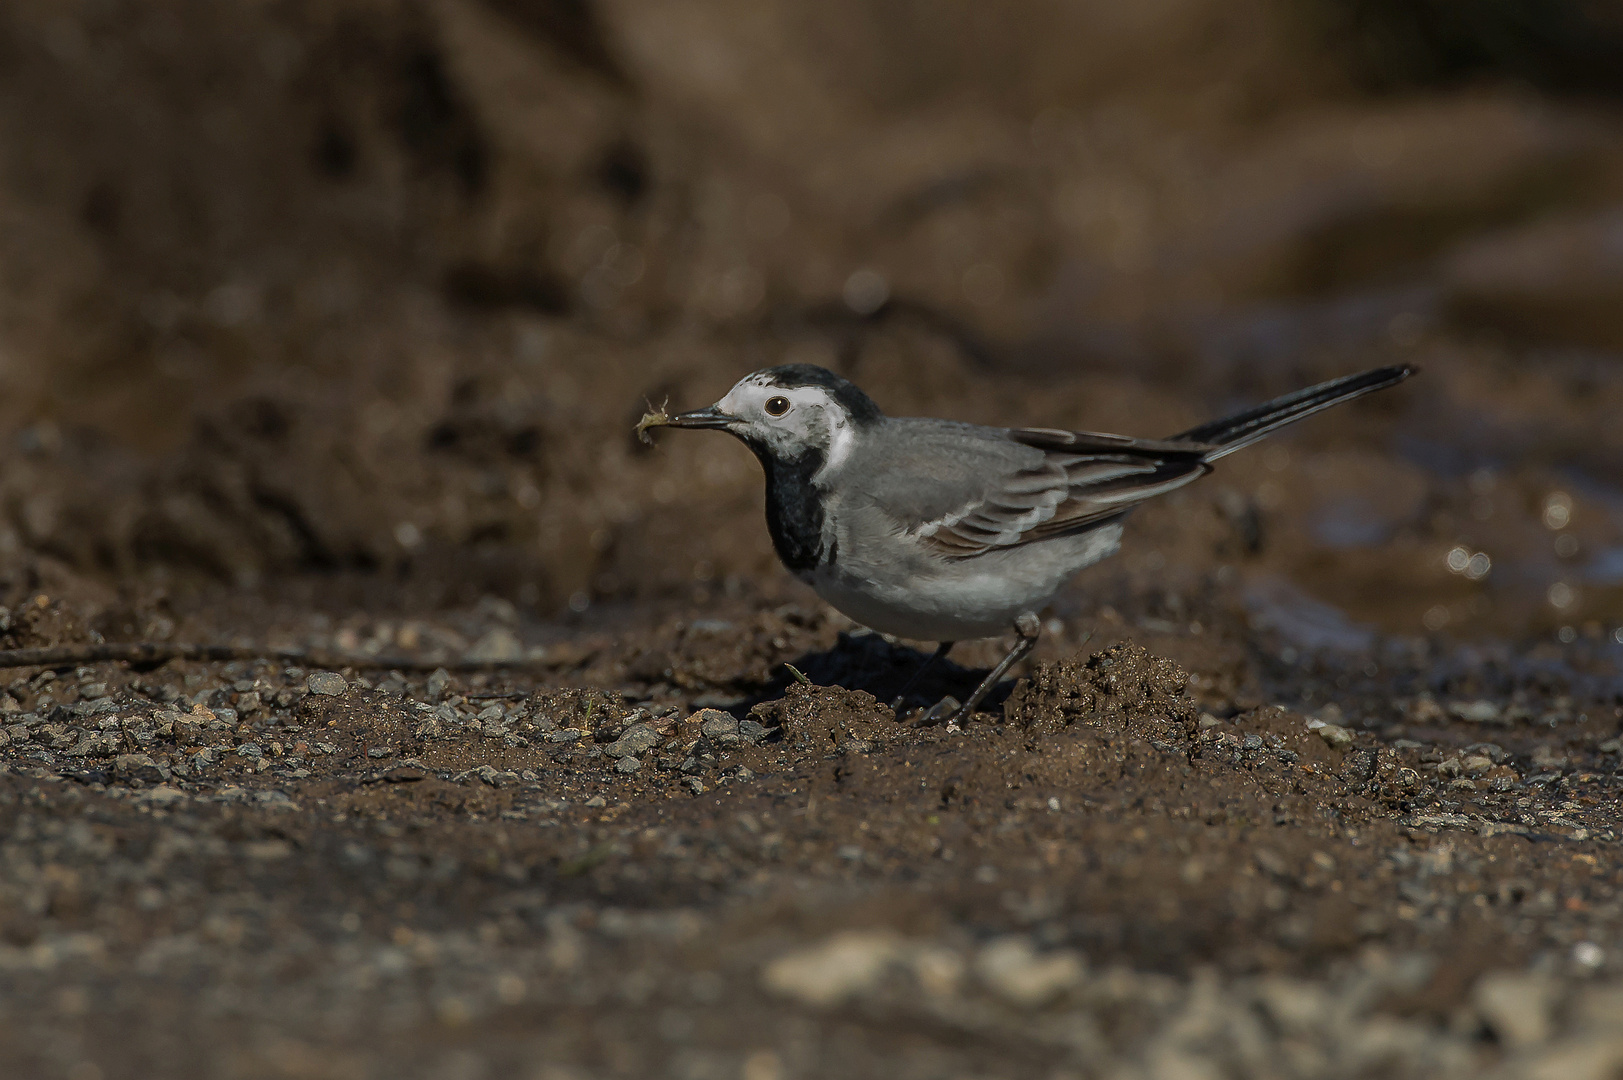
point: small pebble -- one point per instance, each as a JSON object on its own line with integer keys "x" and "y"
{"x": 497, "y": 644}
{"x": 138, "y": 767}
{"x": 1548, "y": 757}
{"x": 494, "y": 776}
{"x": 1270, "y": 862}
{"x": 1016, "y": 972}
{"x": 1476, "y": 712}
{"x": 828, "y": 972}
{"x": 628, "y": 765}
{"x": 636, "y": 739}
{"x": 596, "y": 802}
{"x": 715, "y": 724}
{"x": 1516, "y": 1007}
{"x": 1335, "y": 736}
{"x": 329, "y": 683}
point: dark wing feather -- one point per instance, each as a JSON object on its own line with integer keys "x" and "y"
{"x": 1085, "y": 478}
{"x": 1082, "y": 480}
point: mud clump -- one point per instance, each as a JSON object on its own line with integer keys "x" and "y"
{"x": 1123, "y": 687}
{"x": 583, "y": 710}
{"x": 830, "y": 718}
{"x": 37, "y": 622}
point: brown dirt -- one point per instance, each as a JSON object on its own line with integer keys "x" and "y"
{"x": 327, "y": 325}
{"x": 416, "y": 876}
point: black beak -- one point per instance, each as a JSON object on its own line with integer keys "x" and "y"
{"x": 701, "y": 418}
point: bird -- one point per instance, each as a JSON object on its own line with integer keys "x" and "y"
{"x": 944, "y": 531}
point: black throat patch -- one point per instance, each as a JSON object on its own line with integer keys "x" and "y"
{"x": 794, "y": 508}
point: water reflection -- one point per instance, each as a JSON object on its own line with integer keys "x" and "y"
{"x": 1304, "y": 623}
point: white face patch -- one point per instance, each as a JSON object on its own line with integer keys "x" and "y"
{"x": 814, "y": 420}
{"x": 839, "y": 447}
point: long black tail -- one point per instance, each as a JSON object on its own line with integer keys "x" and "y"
{"x": 1227, "y": 436}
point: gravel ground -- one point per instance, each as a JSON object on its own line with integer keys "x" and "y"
{"x": 604, "y": 866}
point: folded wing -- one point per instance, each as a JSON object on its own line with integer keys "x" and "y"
{"x": 1053, "y": 483}
{"x": 1079, "y": 480}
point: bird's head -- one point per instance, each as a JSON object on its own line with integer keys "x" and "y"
{"x": 786, "y": 412}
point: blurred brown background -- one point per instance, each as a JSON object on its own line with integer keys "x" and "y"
{"x": 377, "y": 287}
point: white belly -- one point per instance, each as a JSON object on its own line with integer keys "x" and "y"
{"x": 941, "y": 600}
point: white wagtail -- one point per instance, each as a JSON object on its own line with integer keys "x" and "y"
{"x": 942, "y": 531}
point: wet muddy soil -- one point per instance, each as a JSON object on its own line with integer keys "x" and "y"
{"x": 696, "y": 843}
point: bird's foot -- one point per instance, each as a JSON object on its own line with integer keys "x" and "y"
{"x": 959, "y": 718}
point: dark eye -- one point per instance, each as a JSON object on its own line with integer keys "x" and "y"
{"x": 777, "y": 406}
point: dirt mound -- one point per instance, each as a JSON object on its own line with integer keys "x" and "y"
{"x": 823, "y": 719}
{"x": 1123, "y": 687}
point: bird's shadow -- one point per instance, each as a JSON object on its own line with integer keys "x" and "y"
{"x": 869, "y": 662}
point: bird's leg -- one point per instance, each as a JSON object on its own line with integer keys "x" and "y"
{"x": 918, "y": 673}
{"x": 1028, "y": 629}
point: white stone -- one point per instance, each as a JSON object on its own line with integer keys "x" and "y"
{"x": 838, "y": 968}
{"x": 1516, "y": 1006}
{"x": 1011, "y": 968}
